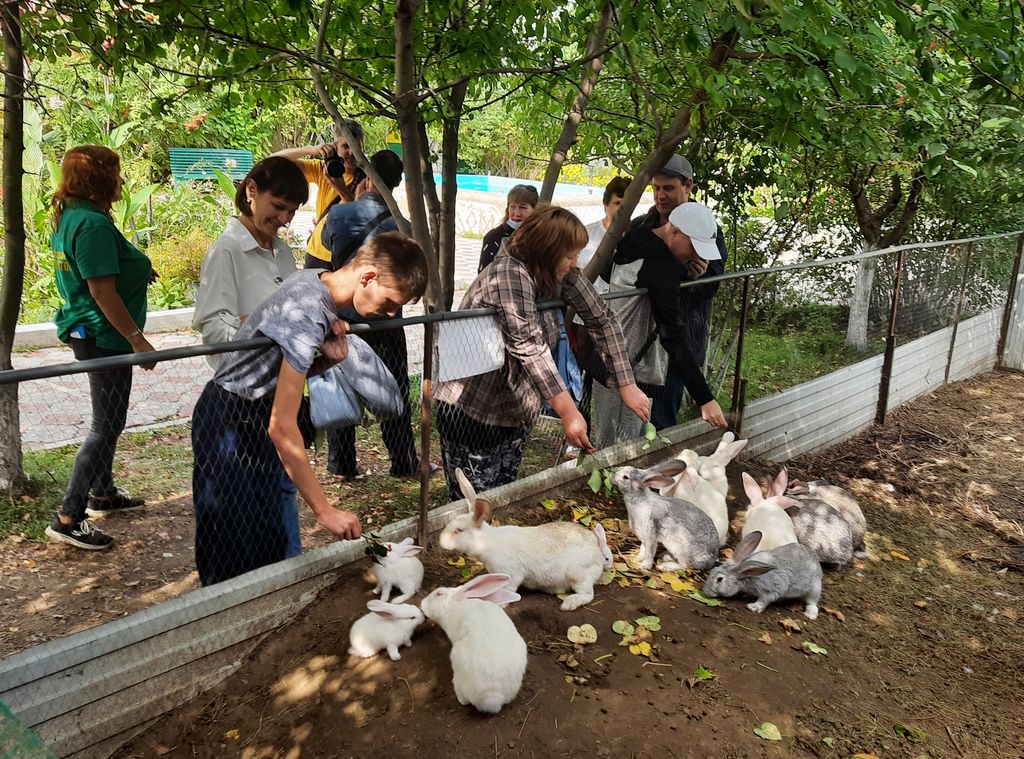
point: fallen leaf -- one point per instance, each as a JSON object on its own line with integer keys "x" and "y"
{"x": 921, "y": 604}
{"x": 766, "y": 638}
{"x": 835, "y": 613}
{"x": 829, "y": 741}
{"x": 232, "y": 734}
{"x": 697, "y": 596}
{"x": 668, "y": 576}
{"x": 459, "y": 562}
{"x": 30, "y": 563}
{"x": 813, "y": 648}
{"x": 641, "y": 649}
{"x": 622, "y": 627}
{"x": 899, "y": 555}
{"x": 701, "y": 674}
{"x": 912, "y": 734}
{"x": 790, "y": 625}
{"x": 606, "y": 577}
{"x": 651, "y": 583}
{"x": 652, "y": 623}
{"x": 864, "y": 756}
{"x": 768, "y": 731}
{"x": 582, "y": 634}
{"x": 550, "y": 504}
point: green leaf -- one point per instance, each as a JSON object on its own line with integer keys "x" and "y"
{"x": 549, "y": 503}
{"x": 595, "y": 480}
{"x": 781, "y": 211}
{"x": 912, "y": 734}
{"x": 696, "y": 596}
{"x": 845, "y": 61}
{"x": 927, "y": 70}
{"x": 650, "y": 583}
{"x": 936, "y": 149}
{"x": 814, "y": 648}
{"x": 649, "y": 431}
{"x": 904, "y": 25}
{"x": 768, "y": 731}
{"x": 622, "y": 627}
{"x": 703, "y": 673}
{"x": 651, "y": 622}
{"x": 225, "y": 183}
{"x": 964, "y": 167}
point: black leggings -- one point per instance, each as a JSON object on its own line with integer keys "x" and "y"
{"x": 109, "y": 391}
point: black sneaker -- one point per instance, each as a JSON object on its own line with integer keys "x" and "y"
{"x": 100, "y": 507}
{"x": 82, "y": 535}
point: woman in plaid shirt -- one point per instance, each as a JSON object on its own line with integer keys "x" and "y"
{"x": 484, "y": 420}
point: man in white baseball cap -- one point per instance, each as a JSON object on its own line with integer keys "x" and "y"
{"x": 659, "y": 256}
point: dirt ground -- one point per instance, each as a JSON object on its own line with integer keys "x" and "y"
{"x": 923, "y": 638}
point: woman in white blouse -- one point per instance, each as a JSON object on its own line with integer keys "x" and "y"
{"x": 246, "y": 264}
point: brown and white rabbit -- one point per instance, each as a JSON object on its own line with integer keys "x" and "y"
{"x": 488, "y": 653}
{"x": 554, "y": 558}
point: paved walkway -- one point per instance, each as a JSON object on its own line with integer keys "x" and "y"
{"x": 56, "y": 411}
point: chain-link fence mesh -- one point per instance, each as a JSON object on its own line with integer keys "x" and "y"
{"x": 793, "y": 326}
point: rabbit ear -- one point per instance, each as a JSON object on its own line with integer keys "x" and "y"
{"x": 751, "y": 568}
{"x": 746, "y": 546}
{"x": 778, "y": 487}
{"x": 733, "y": 450}
{"x": 480, "y": 510}
{"x": 656, "y": 480}
{"x": 723, "y": 444}
{"x": 502, "y": 596}
{"x": 672, "y": 467}
{"x": 381, "y": 609}
{"x": 797, "y": 486}
{"x": 752, "y": 489}
{"x": 403, "y": 549}
{"x": 792, "y": 507}
{"x": 482, "y": 586}
{"x": 466, "y": 487}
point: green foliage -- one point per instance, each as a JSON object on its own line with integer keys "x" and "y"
{"x": 180, "y": 257}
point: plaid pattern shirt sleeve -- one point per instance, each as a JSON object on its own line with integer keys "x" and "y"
{"x": 513, "y": 395}
{"x": 579, "y": 293}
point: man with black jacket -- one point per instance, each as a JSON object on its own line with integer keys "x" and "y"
{"x": 347, "y": 227}
{"x": 659, "y": 256}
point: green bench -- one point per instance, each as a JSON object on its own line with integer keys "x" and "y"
{"x": 199, "y": 163}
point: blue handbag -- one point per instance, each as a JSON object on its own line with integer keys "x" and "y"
{"x": 567, "y": 366}
{"x": 338, "y": 397}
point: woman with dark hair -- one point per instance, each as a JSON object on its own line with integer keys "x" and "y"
{"x": 102, "y": 279}
{"x": 521, "y": 202}
{"x": 246, "y": 265}
{"x": 484, "y": 420}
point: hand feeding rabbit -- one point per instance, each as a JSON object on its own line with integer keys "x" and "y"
{"x": 690, "y": 486}
{"x": 840, "y": 500}
{"x": 818, "y": 526}
{"x": 789, "y": 571}
{"x": 687, "y": 533}
{"x": 770, "y": 517}
{"x": 387, "y": 626}
{"x": 554, "y": 557}
{"x": 399, "y": 567}
{"x": 488, "y": 653}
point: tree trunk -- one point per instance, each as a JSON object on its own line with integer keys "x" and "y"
{"x": 591, "y": 71}
{"x": 429, "y": 185}
{"x": 11, "y": 472}
{"x": 860, "y": 302}
{"x": 406, "y": 104}
{"x": 449, "y": 191}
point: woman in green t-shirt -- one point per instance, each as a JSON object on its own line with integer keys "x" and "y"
{"x": 102, "y": 279}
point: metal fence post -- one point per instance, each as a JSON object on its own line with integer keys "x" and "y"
{"x": 959, "y": 310}
{"x": 890, "y": 342}
{"x": 739, "y": 386}
{"x": 426, "y": 393}
{"x": 1011, "y": 295}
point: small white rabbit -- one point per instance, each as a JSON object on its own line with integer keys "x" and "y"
{"x": 488, "y": 653}
{"x": 789, "y": 571}
{"x": 399, "y": 567}
{"x": 387, "y": 626}
{"x": 687, "y": 533}
{"x": 554, "y": 558}
{"x": 771, "y": 517}
{"x": 818, "y": 526}
{"x": 690, "y": 486}
{"x": 840, "y": 500}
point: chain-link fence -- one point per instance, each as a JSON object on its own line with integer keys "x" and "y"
{"x": 213, "y": 481}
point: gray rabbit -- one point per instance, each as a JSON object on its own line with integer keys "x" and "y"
{"x": 789, "y": 571}
{"x": 840, "y": 500}
{"x": 818, "y": 526}
{"x": 688, "y": 534}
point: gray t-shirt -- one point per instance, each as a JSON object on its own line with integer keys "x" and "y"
{"x": 297, "y": 318}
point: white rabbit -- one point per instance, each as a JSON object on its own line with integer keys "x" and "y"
{"x": 789, "y": 571}
{"x": 554, "y": 558}
{"x": 772, "y": 517}
{"x": 387, "y": 626}
{"x": 818, "y": 526}
{"x": 690, "y": 486}
{"x": 399, "y": 567}
{"x": 840, "y": 500}
{"x": 712, "y": 468}
{"x": 488, "y": 653}
{"x": 687, "y": 533}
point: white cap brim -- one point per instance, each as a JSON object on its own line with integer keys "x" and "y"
{"x": 706, "y": 250}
